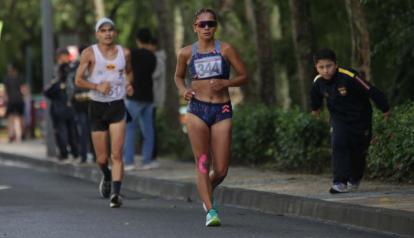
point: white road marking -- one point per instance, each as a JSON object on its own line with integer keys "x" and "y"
{"x": 2, "y": 187}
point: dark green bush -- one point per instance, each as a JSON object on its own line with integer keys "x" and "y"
{"x": 284, "y": 140}
{"x": 170, "y": 141}
{"x": 302, "y": 142}
{"x": 253, "y": 134}
{"x": 294, "y": 140}
{"x": 391, "y": 154}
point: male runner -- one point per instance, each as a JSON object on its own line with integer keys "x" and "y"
{"x": 107, "y": 64}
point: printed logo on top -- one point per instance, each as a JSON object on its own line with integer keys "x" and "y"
{"x": 208, "y": 66}
{"x": 343, "y": 91}
{"x": 110, "y": 67}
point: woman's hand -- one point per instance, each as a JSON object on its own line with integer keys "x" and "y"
{"x": 218, "y": 84}
{"x": 188, "y": 94}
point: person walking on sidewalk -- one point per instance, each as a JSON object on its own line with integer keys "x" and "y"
{"x": 158, "y": 87}
{"x": 15, "y": 103}
{"x": 107, "y": 64}
{"x": 61, "y": 110}
{"x": 209, "y": 110}
{"x": 141, "y": 104}
{"x": 347, "y": 95}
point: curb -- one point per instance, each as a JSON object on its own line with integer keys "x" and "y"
{"x": 379, "y": 219}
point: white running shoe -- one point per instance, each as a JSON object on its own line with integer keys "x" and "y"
{"x": 338, "y": 188}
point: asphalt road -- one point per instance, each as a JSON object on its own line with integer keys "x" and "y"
{"x": 41, "y": 204}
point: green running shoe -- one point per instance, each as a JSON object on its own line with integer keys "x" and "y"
{"x": 212, "y": 218}
{"x": 214, "y": 204}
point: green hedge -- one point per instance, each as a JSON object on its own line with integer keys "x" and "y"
{"x": 294, "y": 140}
{"x": 171, "y": 142}
{"x": 391, "y": 154}
{"x": 290, "y": 140}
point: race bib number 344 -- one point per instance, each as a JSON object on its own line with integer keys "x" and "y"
{"x": 208, "y": 66}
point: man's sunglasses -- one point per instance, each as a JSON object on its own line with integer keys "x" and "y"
{"x": 203, "y": 24}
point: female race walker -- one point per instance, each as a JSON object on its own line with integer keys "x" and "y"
{"x": 209, "y": 109}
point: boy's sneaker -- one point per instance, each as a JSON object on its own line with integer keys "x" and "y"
{"x": 116, "y": 201}
{"x": 353, "y": 186}
{"x": 338, "y": 188}
{"x": 212, "y": 218}
{"x": 105, "y": 188}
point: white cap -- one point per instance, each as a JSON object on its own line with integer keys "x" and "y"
{"x": 102, "y": 21}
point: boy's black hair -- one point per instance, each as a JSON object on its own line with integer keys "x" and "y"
{"x": 324, "y": 54}
{"x": 144, "y": 35}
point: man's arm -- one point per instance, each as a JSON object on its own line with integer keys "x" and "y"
{"x": 85, "y": 61}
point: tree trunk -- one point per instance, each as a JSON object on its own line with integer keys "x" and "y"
{"x": 250, "y": 90}
{"x": 186, "y": 10}
{"x": 264, "y": 52}
{"x": 361, "y": 56}
{"x": 302, "y": 34}
{"x": 99, "y": 8}
{"x": 165, "y": 13}
{"x": 224, "y": 11}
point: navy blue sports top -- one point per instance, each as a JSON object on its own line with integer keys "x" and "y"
{"x": 209, "y": 65}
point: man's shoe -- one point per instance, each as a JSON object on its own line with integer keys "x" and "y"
{"x": 338, "y": 188}
{"x": 212, "y": 218}
{"x": 105, "y": 188}
{"x": 116, "y": 201}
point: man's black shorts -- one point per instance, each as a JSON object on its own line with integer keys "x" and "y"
{"x": 102, "y": 114}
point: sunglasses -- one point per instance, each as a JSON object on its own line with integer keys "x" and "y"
{"x": 209, "y": 24}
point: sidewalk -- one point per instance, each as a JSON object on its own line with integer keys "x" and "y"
{"x": 376, "y": 205}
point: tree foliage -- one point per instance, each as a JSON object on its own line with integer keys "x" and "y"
{"x": 390, "y": 25}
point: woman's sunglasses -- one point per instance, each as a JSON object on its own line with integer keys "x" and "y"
{"x": 203, "y": 24}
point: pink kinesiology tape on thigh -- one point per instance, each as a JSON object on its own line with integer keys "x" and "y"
{"x": 202, "y": 164}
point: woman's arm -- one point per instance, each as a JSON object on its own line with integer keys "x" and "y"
{"x": 180, "y": 71}
{"x": 236, "y": 62}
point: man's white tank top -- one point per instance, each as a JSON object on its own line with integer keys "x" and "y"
{"x": 112, "y": 71}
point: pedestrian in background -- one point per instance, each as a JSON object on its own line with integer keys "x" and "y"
{"x": 61, "y": 111}
{"x": 15, "y": 104}
{"x": 158, "y": 87}
{"x": 80, "y": 102}
{"x": 348, "y": 100}
{"x": 140, "y": 104}
{"x": 28, "y": 121}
